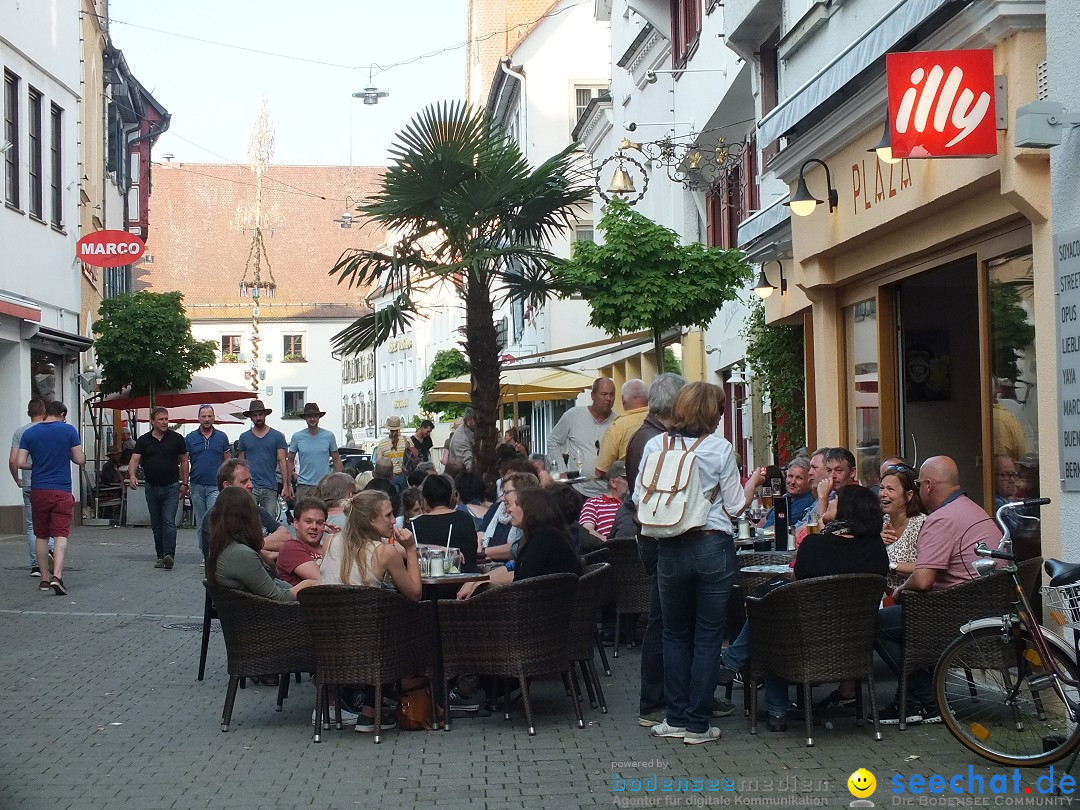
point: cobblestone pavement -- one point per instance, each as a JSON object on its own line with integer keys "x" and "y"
{"x": 103, "y": 710}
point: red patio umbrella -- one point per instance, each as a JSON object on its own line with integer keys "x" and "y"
{"x": 203, "y": 390}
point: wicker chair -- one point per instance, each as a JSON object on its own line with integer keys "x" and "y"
{"x": 816, "y": 630}
{"x": 512, "y": 632}
{"x": 261, "y": 637}
{"x": 209, "y": 614}
{"x": 592, "y": 591}
{"x": 366, "y": 635}
{"x": 932, "y": 619}
{"x": 631, "y": 584}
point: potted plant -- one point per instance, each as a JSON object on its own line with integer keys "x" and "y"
{"x": 230, "y": 358}
{"x": 292, "y": 357}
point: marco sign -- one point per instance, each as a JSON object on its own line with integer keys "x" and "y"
{"x": 109, "y": 248}
{"x": 941, "y": 103}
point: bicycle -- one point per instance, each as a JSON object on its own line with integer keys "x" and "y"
{"x": 1007, "y": 690}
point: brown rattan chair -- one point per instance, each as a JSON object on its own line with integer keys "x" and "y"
{"x": 592, "y": 592}
{"x": 813, "y": 631}
{"x": 631, "y": 584}
{"x": 516, "y": 631}
{"x": 366, "y": 635}
{"x": 209, "y": 614}
{"x": 262, "y": 637}
{"x": 932, "y": 619}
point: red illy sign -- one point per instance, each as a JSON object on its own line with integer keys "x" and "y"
{"x": 109, "y": 248}
{"x": 941, "y": 103}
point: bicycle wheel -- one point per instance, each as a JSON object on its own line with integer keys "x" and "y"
{"x": 974, "y": 683}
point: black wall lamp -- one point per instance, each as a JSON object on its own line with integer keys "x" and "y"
{"x": 884, "y": 146}
{"x": 763, "y": 288}
{"x": 803, "y": 202}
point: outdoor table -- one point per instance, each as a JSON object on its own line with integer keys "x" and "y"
{"x": 772, "y": 570}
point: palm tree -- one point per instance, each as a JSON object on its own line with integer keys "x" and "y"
{"x": 467, "y": 208}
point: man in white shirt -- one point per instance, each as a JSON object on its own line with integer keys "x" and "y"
{"x": 574, "y": 443}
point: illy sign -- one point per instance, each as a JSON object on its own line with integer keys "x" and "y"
{"x": 941, "y": 103}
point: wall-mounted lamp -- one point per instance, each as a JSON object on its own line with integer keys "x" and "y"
{"x": 803, "y": 202}
{"x": 736, "y": 376}
{"x": 884, "y": 146}
{"x": 763, "y": 288}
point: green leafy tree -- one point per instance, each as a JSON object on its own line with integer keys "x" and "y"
{"x": 144, "y": 341}
{"x": 447, "y": 364}
{"x": 776, "y": 354}
{"x": 641, "y": 277}
{"x": 466, "y": 208}
{"x": 1012, "y": 331}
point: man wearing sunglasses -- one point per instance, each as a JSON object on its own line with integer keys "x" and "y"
{"x": 946, "y": 550}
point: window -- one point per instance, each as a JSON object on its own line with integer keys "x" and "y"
{"x": 731, "y": 199}
{"x": 230, "y": 347}
{"x": 685, "y": 30}
{"x": 864, "y": 413}
{"x": 11, "y": 135}
{"x": 294, "y": 348}
{"x": 57, "y": 179}
{"x": 402, "y": 384}
{"x": 294, "y": 399}
{"x": 36, "y": 190}
{"x": 382, "y": 378}
{"x": 582, "y": 96}
{"x": 769, "y": 82}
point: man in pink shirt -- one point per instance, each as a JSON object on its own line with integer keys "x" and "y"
{"x": 946, "y": 550}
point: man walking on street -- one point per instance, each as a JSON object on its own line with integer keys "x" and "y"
{"x": 460, "y": 448}
{"x": 317, "y": 448}
{"x": 164, "y": 458}
{"x": 35, "y": 409}
{"x": 54, "y": 445}
{"x": 419, "y": 447}
{"x": 207, "y": 448}
{"x": 264, "y": 450}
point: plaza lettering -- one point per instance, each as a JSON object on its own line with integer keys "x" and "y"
{"x": 899, "y": 178}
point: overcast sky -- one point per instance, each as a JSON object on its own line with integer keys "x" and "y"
{"x": 214, "y": 92}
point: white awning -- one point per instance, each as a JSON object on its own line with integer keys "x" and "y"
{"x": 898, "y": 22}
{"x": 769, "y": 226}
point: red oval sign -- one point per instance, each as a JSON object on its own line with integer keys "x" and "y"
{"x": 109, "y": 248}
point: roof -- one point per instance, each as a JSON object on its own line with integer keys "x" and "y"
{"x": 495, "y": 29}
{"x": 201, "y": 243}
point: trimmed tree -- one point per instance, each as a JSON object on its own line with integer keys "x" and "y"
{"x": 467, "y": 208}
{"x": 447, "y": 364}
{"x": 642, "y": 277}
{"x": 144, "y": 341}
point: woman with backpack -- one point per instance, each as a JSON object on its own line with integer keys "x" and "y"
{"x": 687, "y": 491}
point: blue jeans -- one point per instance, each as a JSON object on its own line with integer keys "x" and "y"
{"x": 203, "y": 498}
{"x": 28, "y": 515}
{"x": 162, "y": 503}
{"x": 267, "y": 498}
{"x": 652, "y": 645}
{"x": 889, "y": 644}
{"x": 695, "y": 574}
{"x": 737, "y": 657}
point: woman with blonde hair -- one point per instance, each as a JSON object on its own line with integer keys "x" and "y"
{"x": 360, "y": 555}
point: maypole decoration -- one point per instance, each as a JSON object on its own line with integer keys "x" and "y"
{"x": 261, "y": 150}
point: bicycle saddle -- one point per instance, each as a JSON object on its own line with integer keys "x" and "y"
{"x": 1062, "y": 573}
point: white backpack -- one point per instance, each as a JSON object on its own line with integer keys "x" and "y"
{"x": 674, "y": 501}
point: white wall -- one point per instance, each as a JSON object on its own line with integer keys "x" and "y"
{"x": 1063, "y": 61}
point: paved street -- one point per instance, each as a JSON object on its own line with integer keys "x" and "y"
{"x": 102, "y": 709}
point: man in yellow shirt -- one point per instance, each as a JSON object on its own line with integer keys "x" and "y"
{"x": 393, "y": 448}
{"x": 635, "y": 407}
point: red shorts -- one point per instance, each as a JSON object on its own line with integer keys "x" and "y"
{"x": 51, "y": 510}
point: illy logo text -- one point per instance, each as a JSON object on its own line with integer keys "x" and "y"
{"x": 967, "y": 112}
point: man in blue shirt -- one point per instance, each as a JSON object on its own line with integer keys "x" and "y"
{"x": 207, "y": 448}
{"x": 54, "y": 444}
{"x": 316, "y": 447}
{"x": 264, "y": 450}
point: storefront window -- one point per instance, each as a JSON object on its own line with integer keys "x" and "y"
{"x": 864, "y": 406}
{"x": 1015, "y": 425}
{"x": 46, "y": 377}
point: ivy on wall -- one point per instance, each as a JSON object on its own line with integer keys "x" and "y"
{"x": 776, "y": 354}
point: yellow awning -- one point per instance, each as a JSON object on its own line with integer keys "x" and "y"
{"x": 526, "y": 385}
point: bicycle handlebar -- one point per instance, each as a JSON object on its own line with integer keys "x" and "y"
{"x": 982, "y": 551}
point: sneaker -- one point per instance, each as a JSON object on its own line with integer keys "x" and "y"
{"x": 662, "y": 729}
{"x": 890, "y": 716}
{"x": 160, "y": 562}
{"x": 35, "y": 571}
{"x": 722, "y": 708}
{"x": 44, "y": 585}
{"x": 458, "y": 703}
{"x": 366, "y": 725}
{"x": 777, "y": 722}
{"x": 58, "y": 586}
{"x": 728, "y": 676}
{"x": 650, "y": 719}
{"x": 930, "y": 714}
{"x": 699, "y": 737}
{"x": 167, "y": 561}
{"x": 834, "y": 701}
{"x": 347, "y": 717}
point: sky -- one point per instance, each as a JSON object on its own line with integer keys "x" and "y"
{"x": 214, "y": 93}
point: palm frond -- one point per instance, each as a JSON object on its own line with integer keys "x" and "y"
{"x": 375, "y": 328}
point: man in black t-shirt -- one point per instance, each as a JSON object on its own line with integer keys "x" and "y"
{"x": 164, "y": 459}
{"x": 419, "y": 447}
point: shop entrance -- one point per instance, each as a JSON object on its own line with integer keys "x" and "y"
{"x": 940, "y": 380}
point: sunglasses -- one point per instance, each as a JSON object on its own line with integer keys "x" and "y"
{"x": 903, "y": 468}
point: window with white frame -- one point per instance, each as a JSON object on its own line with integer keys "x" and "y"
{"x": 11, "y": 135}
{"x": 382, "y": 378}
{"x": 293, "y": 347}
{"x": 230, "y": 347}
{"x": 56, "y": 177}
{"x": 37, "y": 190}
{"x": 583, "y": 94}
{"x": 293, "y": 400}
